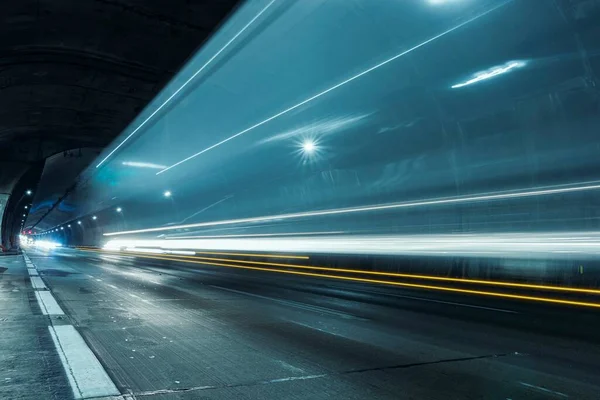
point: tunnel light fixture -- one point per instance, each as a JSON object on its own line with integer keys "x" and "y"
{"x": 78, "y": 222}
{"x": 28, "y": 192}
{"x": 26, "y": 207}
{"x": 62, "y": 228}
{"x": 186, "y": 82}
{"x": 94, "y": 218}
{"x": 119, "y": 209}
{"x": 334, "y": 87}
{"x": 309, "y": 146}
{"x": 24, "y": 215}
{"x": 167, "y": 193}
{"x": 68, "y": 226}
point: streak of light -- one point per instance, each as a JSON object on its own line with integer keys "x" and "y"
{"x": 501, "y": 245}
{"x": 46, "y": 244}
{"x": 378, "y": 207}
{"x": 256, "y": 235}
{"x": 332, "y": 88}
{"x": 160, "y": 251}
{"x": 217, "y": 253}
{"x": 393, "y": 283}
{"x": 484, "y": 75}
{"x": 186, "y": 83}
{"x": 409, "y": 276}
{"x": 143, "y": 165}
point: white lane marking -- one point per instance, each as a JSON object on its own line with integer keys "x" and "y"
{"x": 86, "y": 375}
{"x": 440, "y": 301}
{"x": 156, "y": 283}
{"x": 32, "y": 272}
{"x": 112, "y": 286}
{"x": 316, "y": 329}
{"x": 294, "y": 304}
{"x": 98, "y": 280}
{"x": 48, "y": 304}
{"x": 38, "y": 283}
{"x": 543, "y": 389}
{"x": 458, "y": 304}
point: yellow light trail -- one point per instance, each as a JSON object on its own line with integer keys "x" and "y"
{"x": 392, "y": 283}
{"x": 395, "y": 274}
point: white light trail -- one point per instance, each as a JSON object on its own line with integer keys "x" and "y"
{"x": 256, "y": 235}
{"x": 505, "y": 245}
{"x": 138, "y": 164}
{"x": 332, "y": 88}
{"x": 186, "y": 83}
{"x": 481, "y": 76}
{"x": 378, "y": 207}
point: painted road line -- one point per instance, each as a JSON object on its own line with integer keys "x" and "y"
{"x": 38, "y": 283}
{"x": 544, "y": 390}
{"x": 296, "y": 304}
{"x": 48, "y": 304}
{"x": 32, "y": 272}
{"x": 87, "y": 377}
{"x": 455, "y": 304}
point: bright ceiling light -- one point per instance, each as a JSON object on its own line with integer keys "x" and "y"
{"x": 28, "y": 192}
{"x": 119, "y": 209}
{"x": 309, "y": 146}
{"x": 167, "y": 193}
{"x": 94, "y": 218}
{"x": 78, "y": 222}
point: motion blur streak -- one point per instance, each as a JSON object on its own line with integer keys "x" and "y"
{"x": 255, "y": 235}
{"x": 332, "y": 88}
{"x": 390, "y": 274}
{"x": 432, "y": 202}
{"x": 393, "y": 283}
{"x": 111, "y": 247}
{"x": 529, "y": 245}
{"x": 185, "y": 84}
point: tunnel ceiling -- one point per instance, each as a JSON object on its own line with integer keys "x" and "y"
{"x": 74, "y": 73}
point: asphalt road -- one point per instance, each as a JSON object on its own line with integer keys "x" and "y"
{"x": 167, "y": 330}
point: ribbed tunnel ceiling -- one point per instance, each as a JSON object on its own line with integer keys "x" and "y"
{"x": 74, "y": 73}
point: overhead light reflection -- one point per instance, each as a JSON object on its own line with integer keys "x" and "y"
{"x": 491, "y": 73}
{"x": 137, "y": 164}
